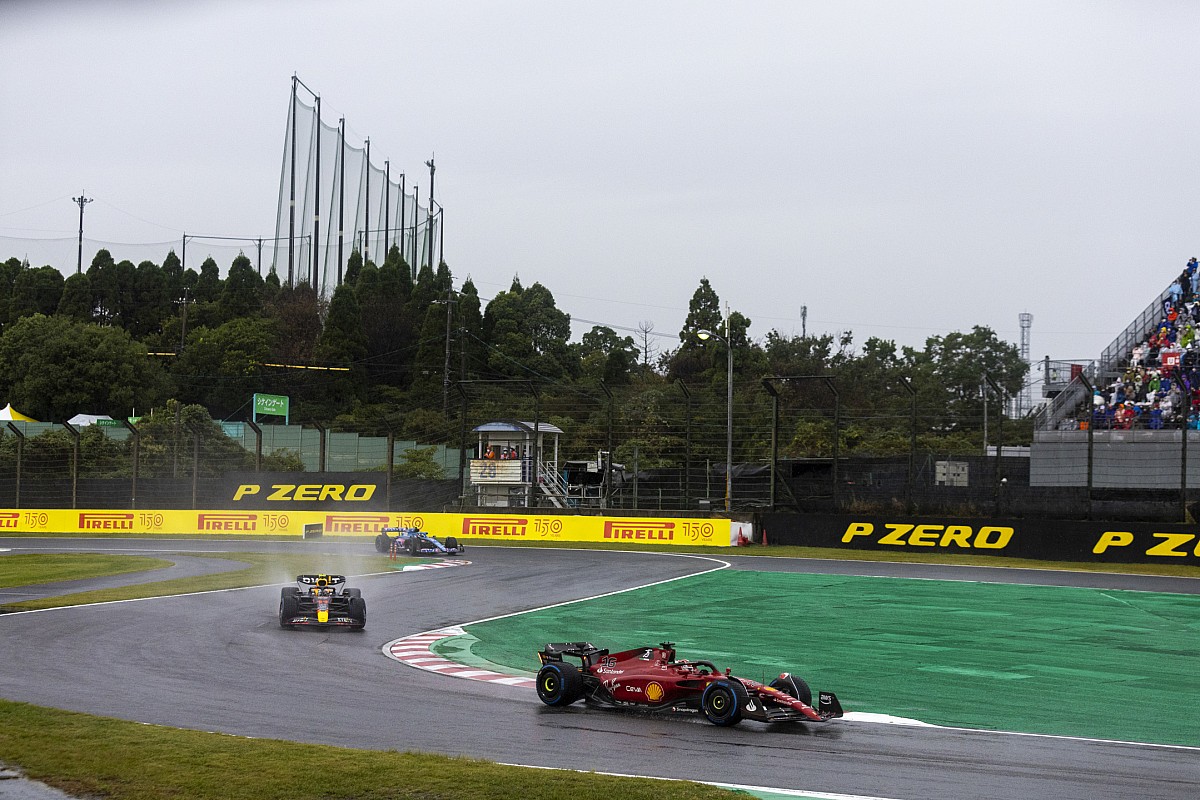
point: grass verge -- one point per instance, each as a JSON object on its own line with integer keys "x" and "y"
{"x": 28, "y": 569}
{"x": 102, "y": 757}
{"x": 261, "y": 569}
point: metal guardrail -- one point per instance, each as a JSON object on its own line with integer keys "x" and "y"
{"x": 1135, "y": 333}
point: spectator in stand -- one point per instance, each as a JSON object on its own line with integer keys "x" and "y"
{"x": 1175, "y": 292}
{"x": 491, "y": 452}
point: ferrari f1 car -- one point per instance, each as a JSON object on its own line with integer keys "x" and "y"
{"x": 416, "y": 542}
{"x": 322, "y": 600}
{"x": 652, "y": 678}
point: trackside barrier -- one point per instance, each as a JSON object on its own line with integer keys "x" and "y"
{"x": 1037, "y": 539}
{"x": 511, "y": 527}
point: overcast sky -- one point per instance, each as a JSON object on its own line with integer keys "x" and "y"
{"x": 902, "y": 169}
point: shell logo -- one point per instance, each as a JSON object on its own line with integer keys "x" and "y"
{"x": 654, "y": 692}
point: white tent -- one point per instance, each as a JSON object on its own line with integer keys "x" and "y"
{"x": 87, "y": 419}
{"x": 8, "y": 412}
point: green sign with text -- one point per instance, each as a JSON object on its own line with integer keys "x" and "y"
{"x": 272, "y": 404}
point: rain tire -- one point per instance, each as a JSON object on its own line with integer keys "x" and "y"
{"x": 559, "y": 684}
{"x": 722, "y": 702}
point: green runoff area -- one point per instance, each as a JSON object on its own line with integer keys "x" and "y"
{"x": 1084, "y": 662}
{"x": 1092, "y": 663}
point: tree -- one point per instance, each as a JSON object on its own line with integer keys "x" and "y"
{"x": 529, "y": 335}
{"x": 242, "y": 293}
{"x": 55, "y": 368}
{"x": 220, "y": 368}
{"x": 954, "y": 365}
{"x": 154, "y": 301}
{"x": 76, "y": 301}
{"x": 419, "y": 462}
{"x": 208, "y": 286}
{"x": 112, "y": 288}
{"x": 607, "y": 357}
{"x": 36, "y": 291}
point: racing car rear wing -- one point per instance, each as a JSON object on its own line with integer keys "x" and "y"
{"x": 586, "y": 652}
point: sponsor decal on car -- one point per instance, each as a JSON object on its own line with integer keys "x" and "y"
{"x": 655, "y": 691}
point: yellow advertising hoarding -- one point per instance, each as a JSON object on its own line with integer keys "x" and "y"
{"x": 508, "y": 527}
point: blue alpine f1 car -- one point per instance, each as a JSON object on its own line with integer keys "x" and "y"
{"x": 415, "y": 542}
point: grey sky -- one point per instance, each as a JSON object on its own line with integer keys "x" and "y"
{"x": 903, "y": 169}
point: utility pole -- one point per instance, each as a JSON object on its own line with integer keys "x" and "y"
{"x": 82, "y": 201}
{"x": 446, "y": 368}
{"x": 429, "y": 211}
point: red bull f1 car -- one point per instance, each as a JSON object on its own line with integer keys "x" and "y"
{"x": 652, "y": 678}
{"x": 416, "y": 542}
{"x": 323, "y": 601}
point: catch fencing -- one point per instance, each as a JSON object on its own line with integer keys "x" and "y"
{"x": 639, "y": 449}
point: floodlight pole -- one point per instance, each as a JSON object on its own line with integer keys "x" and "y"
{"x": 81, "y": 201}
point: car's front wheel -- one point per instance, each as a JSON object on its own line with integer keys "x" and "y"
{"x": 793, "y": 685}
{"x": 559, "y": 684}
{"x": 358, "y": 611}
{"x": 289, "y": 605}
{"x": 722, "y": 702}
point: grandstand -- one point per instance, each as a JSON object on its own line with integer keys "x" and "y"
{"x": 1122, "y": 421}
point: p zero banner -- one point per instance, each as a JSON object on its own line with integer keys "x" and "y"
{"x": 509, "y": 527}
{"x": 305, "y": 491}
{"x": 1046, "y": 540}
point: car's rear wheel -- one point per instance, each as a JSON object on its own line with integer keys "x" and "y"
{"x": 358, "y": 611}
{"x": 559, "y": 684}
{"x": 382, "y": 543}
{"x": 289, "y": 605}
{"x": 354, "y": 593}
{"x": 722, "y": 702}
{"x": 795, "y": 686}
{"x": 414, "y": 546}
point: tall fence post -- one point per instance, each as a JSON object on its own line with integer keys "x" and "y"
{"x": 195, "y": 466}
{"x": 20, "y": 457}
{"x": 391, "y": 462}
{"x": 135, "y": 455}
{"x": 257, "y": 445}
{"x": 74, "y": 463}
{"x": 320, "y": 445}
{"x": 1183, "y": 431}
{"x": 771, "y": 390}
{"x": 1091, "y": 437}
{"x": 687, "y": 445}
{"x": 910, "y": 477}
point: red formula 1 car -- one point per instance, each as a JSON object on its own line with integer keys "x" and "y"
{"x": 652, "y": 678}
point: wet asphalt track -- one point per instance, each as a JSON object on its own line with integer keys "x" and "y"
{"x": 220, "y": 662}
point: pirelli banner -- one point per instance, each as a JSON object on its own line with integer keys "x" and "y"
{"x": 507, "y": 527}
{"x": 1045, "y": 540}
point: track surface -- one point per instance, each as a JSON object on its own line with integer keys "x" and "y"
{"x": 220, "y": 662}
